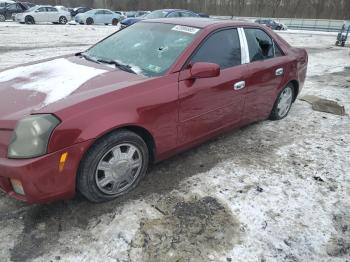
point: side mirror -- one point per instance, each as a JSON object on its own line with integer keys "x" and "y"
{"x": 204, "y": 70}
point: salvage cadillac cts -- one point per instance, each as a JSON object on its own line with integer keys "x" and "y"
{"x": 94, "y": 121}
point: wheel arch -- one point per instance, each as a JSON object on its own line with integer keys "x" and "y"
{"x": 295, "y": 84}
{"x": 139, "y": 130}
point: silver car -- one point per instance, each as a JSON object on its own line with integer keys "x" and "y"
{"x": 43, "y": 14}
{"x": 98, "y": 16}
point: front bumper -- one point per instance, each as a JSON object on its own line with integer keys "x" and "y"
{"x": 122, "y": 26}
{"x": 42, "y": 178}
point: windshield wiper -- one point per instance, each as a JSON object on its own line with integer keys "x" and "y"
{"x": 123, "y": 67}
{"x": 87, "y": 57}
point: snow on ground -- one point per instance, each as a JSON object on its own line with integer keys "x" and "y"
{"x": 272, "y": 191}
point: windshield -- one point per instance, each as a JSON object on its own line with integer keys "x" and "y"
{"x": 148, "y": 48}
{"x": 156, "y": 14}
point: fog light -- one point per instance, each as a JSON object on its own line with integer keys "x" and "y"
{"x": 17, "y": 186}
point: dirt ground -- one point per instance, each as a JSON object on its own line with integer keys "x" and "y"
{"x": 272, "y": 191}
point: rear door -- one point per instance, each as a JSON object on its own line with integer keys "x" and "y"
{"x": 267, "y": 70}
{"x": 210, "y": 104}
{"x": 108, "y": 17}
{"x": 52, "y": 15}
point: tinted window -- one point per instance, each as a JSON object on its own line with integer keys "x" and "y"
{"x": 278, "y": 51}
{"x": 51, "y": 9}
{"x": 107, "y": 12}
{"x": 260, "y": 45}
{"x": 42, "y": 9}
{"x": 174, "y": 14}
{"x": 188, "y": 14}
{"x": 100, "y": 12}
{"x": 222, "y": 48}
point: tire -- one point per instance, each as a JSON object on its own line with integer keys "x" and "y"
{"x": 283, "y": 103}
{"x": 2, "y": 18}
{"x": 29, "y": 20}
{"x": 89, "y": 21}
{"x": 342, "y": 44}
{"x": 108, "y": 170}
{"x": 337, "y": 43}
{"x": 115, "y": 21}
{"x": 63, "y": 20}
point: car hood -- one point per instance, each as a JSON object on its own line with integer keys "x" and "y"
{"x": 55, "y": 84}
{"x": 130, "y": 21}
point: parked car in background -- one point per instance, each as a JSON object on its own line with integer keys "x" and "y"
{"x": 136, "y": 13}
{"x": 27, "y": 4}
{"x": 43, "y": 14}
{"x": 3, "y": 3}
{"x": 62, "y": 8}
{"x": 79, "y": 10}
{"x": 163, "y": 13}
{"x": 203, "y": 15}
{"x": 271, "y": 24}
{"x": 122, "y": 14}
{"x": 98, "y": 16}
{"x": 94, "y": 122}
{"x": 9, "y": 10}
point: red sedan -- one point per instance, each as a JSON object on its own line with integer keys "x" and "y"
{"x": 94, "y": 121}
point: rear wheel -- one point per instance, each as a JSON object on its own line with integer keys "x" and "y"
{"x": 89, "y": 21}
{"x": 2, "y": 18}
{"x": 63, "y": 20}
{"x": 342, "y": 44}
{"x": 283, "y": 103}
{"x": 29, "y": 20}
{"x": 113, "y": 166}
{"x": 115, "y": 21}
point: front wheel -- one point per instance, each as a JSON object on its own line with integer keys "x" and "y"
{"x": 89, "y": 21}
{"x": 29, "y": 20}
{"x": 2, "y": 18}
{"x": 283, "y": 103}
{"x": 113, "y": 166}
{"x": 115, "y": 21}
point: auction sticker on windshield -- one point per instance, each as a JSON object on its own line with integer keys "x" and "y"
{"x": 185, "y": 29}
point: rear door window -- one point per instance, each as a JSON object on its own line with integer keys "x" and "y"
{"x": 222, "y": 48}
{"x": 260, "y": 44}
{"x": 174, "y": 14}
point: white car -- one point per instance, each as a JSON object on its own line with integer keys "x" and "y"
{"x": 43, "y": 14}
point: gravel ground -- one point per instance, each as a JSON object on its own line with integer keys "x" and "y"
{"x": 272, "y": 191}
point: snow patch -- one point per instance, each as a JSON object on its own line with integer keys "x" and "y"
{"x": 57, "y": 78}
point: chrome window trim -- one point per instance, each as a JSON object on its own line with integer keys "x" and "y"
{"x": 244, "y": 46}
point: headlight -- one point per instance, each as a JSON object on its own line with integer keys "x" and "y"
{"x": 31, "y": 136}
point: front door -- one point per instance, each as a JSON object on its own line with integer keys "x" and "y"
{"x": 41, "y": 15}
{"x": 209, "y": 104}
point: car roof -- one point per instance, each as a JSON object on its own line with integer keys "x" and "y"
{"x": 172, "y": 10}
{"x": 199, "y": 22}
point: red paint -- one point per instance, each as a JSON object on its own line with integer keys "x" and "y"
{"x": 180, "y": 110}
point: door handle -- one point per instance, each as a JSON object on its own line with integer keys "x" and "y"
{"x": 279, "y": 72}
{"x": 239, "y": 85}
